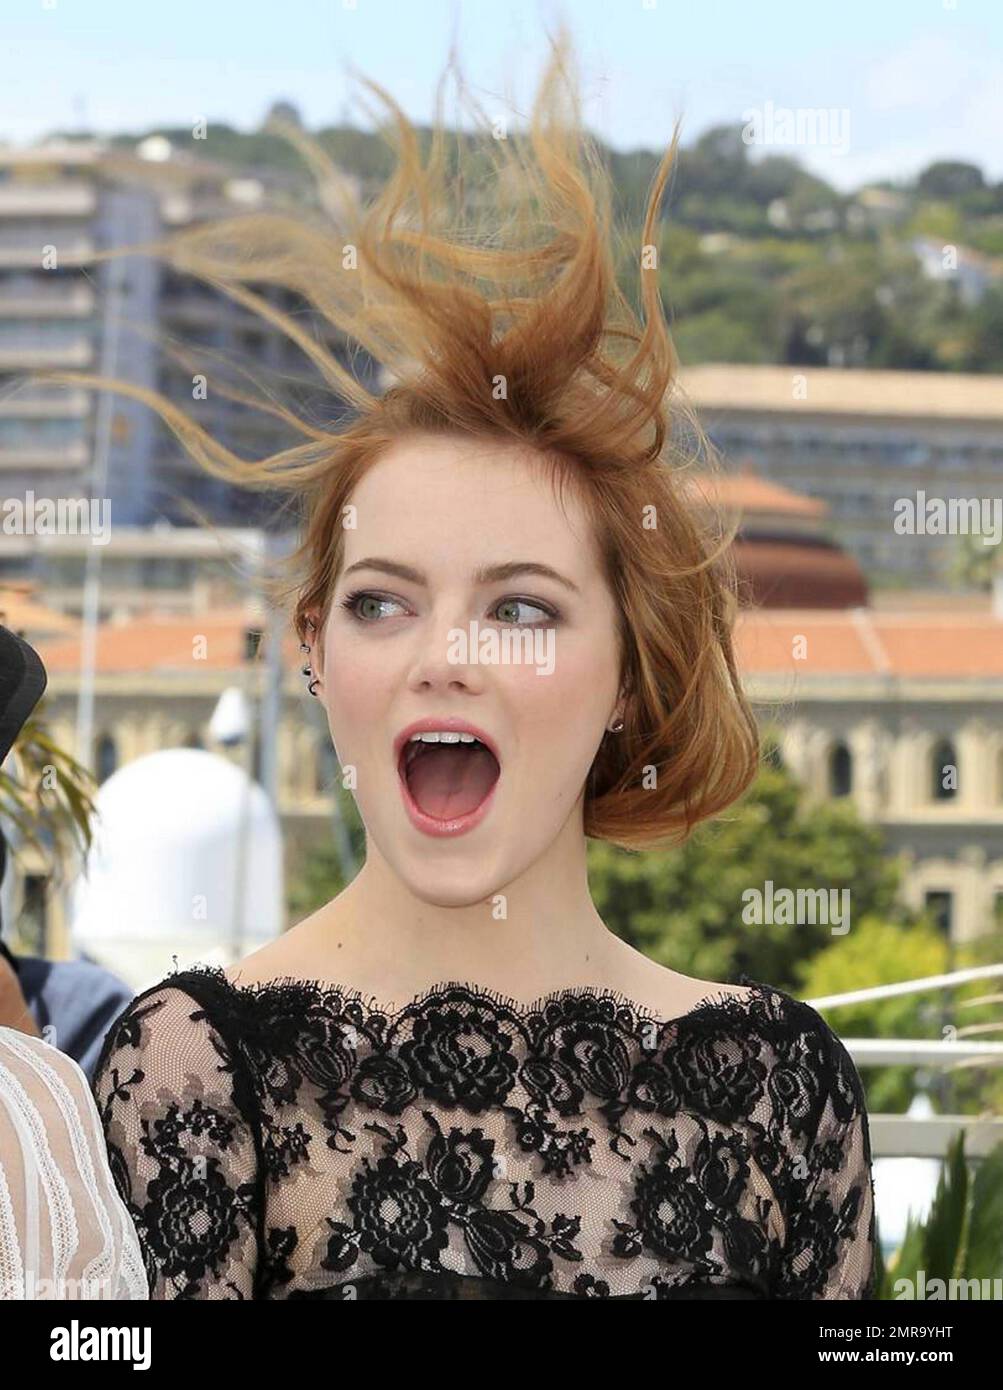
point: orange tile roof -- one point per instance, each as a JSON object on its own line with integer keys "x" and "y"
{"x": 162, "y": 643}
{"x": 851, "y": 642}
{"x": 866, "y": 642}
{"x": 20, "y": 613}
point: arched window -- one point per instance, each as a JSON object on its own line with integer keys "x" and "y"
{"x": 840, "y": 770}
{"x": 106, "y": 759}
{"x": 939, "y": 903}
{"x": 943, "y": 771}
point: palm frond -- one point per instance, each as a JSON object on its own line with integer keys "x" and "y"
{"x": 48, "y": 798}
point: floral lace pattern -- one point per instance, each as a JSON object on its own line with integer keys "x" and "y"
{"x": 291, "y": 1140}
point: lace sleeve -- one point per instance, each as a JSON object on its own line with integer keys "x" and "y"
{"x": 829, "y": 1250}
{"x": 64, "y": 1232}
{"x": 182, "y": 1141}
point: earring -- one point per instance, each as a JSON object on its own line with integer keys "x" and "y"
{"x": 307, "y": 669}
{"x": 617, "y": 728}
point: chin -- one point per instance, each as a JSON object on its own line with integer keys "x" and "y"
{"x": 457, "y": 889}
{"x": 455, "y": 884}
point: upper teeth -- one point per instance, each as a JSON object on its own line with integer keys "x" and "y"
{"x": 442, "y": 736}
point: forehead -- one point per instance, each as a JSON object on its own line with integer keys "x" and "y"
{"x": 468, "y": 500}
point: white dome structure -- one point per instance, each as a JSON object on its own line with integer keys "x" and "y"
{"x": 185, "y": 865}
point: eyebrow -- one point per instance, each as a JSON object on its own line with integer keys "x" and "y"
{"x": 487, "y": 574}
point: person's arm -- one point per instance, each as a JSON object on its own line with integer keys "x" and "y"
{"x": 64, "y": 1231}
{"x": 14, "y": 1010}
{"x": 183, "y": 1153}
{"x": 77, "y": 1002}
{"x": 830, "y": 1242}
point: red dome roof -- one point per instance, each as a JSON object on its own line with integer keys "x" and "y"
{"x": 799, "y": 572}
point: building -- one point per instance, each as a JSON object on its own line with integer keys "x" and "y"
{"x": 158, "y": 679}
{"x": 783, "y": 557}
{"x": 860, "y": 441}
{"x": 25, "y": 616}
{"x": 969, "y": 270}
{"x": 61, "y": 202}
{"x": 902, "y": 711}
{"x": 164, "y": 568}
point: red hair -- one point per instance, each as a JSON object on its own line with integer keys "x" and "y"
{"x": 499, "y": 314}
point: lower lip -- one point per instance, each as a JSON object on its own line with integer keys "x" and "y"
{"x": 432, "y": 825}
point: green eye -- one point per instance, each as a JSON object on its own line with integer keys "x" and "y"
{"x": 353, "y": 604}
{"x": 517, "y": 603}
{"x": 371, "y": 608}
{"x": 374, "y": 609}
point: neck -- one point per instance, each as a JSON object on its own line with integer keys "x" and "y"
{"x": 536, "y": 933}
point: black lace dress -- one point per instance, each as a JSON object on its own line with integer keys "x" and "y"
{"x": 292, "y": 1140}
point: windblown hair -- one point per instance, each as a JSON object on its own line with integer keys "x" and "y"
{"x": 496, "y": 311}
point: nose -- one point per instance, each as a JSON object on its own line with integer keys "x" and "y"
{"x": 445, "y": 657}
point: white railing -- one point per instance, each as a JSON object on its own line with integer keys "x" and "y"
{"x": 909, "y": 1136}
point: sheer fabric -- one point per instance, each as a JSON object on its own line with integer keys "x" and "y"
{"x": 292, "y": 1140}
{"x": 64, "y": 1231}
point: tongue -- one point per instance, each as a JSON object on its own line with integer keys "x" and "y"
{"x": 448, "y": 780}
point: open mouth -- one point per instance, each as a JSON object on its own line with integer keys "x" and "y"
{"x": 448, "y": 776}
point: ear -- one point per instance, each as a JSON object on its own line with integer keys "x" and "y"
{"x": 312, "y": 637}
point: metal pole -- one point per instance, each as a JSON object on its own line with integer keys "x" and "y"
{"x": 99, "y": 482}
{"x": 893, "y": 991}
{"x": 243, "y": 825}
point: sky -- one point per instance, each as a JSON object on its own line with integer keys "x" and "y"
{"x": 895, "y": 83}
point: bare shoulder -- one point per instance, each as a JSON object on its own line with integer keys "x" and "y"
{"x": 267, "y": 963}
{"x": 296, "y": 954}
{"x": 668, "y": 992}
{"x": 685, "y": 993}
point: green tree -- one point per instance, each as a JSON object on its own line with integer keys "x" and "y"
{"x": 949, "y": 179}
{"x": 684, "y": 907}
{"x": 985, "y": 346}
{"x": 319, "y": 875}
{"x": 974, "y": 563}
{"x": 47, "y": 799}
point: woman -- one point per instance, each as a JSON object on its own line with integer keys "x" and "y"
{"x": 64, "y": 1231}
{"x": 452, "y": 1081}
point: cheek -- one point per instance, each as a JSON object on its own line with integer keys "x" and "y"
{"x": 355, "y": 679}
{"x": 564, "y": 704}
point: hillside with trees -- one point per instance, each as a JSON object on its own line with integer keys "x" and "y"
{"x": 761, "y": 260}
